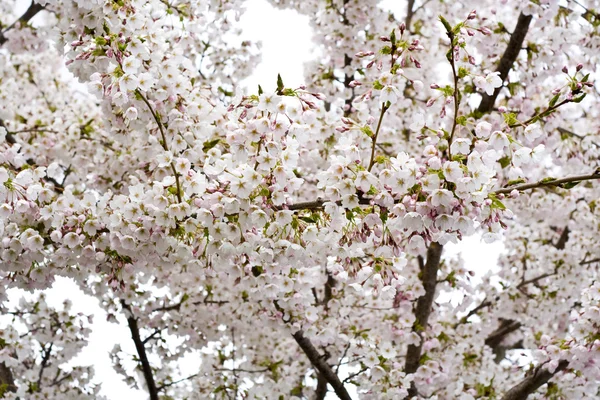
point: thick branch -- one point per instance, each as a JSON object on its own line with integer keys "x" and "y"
{"x": 141, "y": 351}
{"x": 424, "y": 304}
{"x": 409, "y": 13}
{"x": 322, "y": 367}
{"x": 533, "y": 382}
{"x": 6, "y": 378}
{"x": 31, "y": 12}
{"x": 508, "y": 58}
{"x": 494, "y": 340}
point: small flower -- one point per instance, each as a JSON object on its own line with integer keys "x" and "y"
{"x": 533, "y": 132}
{"x": 389, "y": 93}
{"x": 418, "y": 122}
{"x": 489, "y": 83}
{"x": 131, "y": 114}
{"x": 71, "y": 239}
{"x": 483, "y": 129}
{"x": 312, "y": 314}
{"x": 268, "y": 102}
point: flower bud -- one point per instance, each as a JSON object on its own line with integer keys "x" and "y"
{"x": 579, "y": 67}
{"x": 565, "y": 69}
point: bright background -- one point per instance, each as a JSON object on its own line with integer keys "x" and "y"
{"x": 286, "y": 44}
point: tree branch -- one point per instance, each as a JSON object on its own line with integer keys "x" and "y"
{"x": 31, "y": 12}
{"x": 410, "y": 12}
{"x": 533, "y": 382}
{"x": 6, "y": 378}
{"x": 506, "y": 62}
{"x": 549, "y": 182}
{"x": 322, "y": 367}
{"x": 141, "y": 351}
{"x": 423, "y": 308}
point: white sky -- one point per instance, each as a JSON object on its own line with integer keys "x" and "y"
{"x": 286, "y": 45}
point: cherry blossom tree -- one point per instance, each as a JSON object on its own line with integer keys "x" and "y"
{"x": 292, "y": 239}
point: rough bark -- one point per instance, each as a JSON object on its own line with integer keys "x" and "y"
{"x": 323, "y": 369}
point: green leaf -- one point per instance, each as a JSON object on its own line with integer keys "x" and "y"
{"x": 367, "y": 131}
{"x": 585, "y": 78}
{"x": 504, "y": 161}
{"x": 569, "y": 185}
{"x": 377, "y": 85}
{"x": 210, "y": 144}
{"x": 510, "y": 118}
{"x": 547, "y": 180}
{"x": 580, "y": 98}
{"x": 515, "y": 182}
{"x": 446, "y": 24}
{"x": 260, "y": 91}
{"x": 386, "y": 50}
{"x": 554, "y": 100}
{"x": 280, "y": 85}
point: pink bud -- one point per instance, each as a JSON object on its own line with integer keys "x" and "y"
{"x": 579, "y": 67}
{"x": 472, "y": 15}
{"x": 384, "y": 38}
{"x": 430, "y": 102}
{"x": 402, "y": 28}
{"x": 434, "y": 86}
{"x": 485, "y": 31}
{"x": 502, "y": 109}
{"x": 565, "y": 69}
{"x": 472, "y": 60}
{"x": 354, "y": 84}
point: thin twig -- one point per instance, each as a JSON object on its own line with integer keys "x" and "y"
{"x": 549, "y": 182}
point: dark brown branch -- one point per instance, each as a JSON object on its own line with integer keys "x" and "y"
{"x": 31, "y": 12}
{"x": 141, "y": 351}
{"x": 494, "y": 340}
{"x": 6, "y": 378}
{"x": 506, "y": 62}
{"x": 322, "y": 367}
{"x": 410, "y": 12}
{"x": 321, "y": 391}
{"x": 44, "y": 364}
{"x": 533, "y": 382}
{"x": 424, "y": 306}
{"x": 562, "y": 240}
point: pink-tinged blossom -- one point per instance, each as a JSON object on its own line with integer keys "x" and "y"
{"x": 488, "y": 83}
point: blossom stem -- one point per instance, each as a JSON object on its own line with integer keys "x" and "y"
{"x": 456, "y": 96}
{"x": 164, "y": 144}
{"x": 372, "y": 162}
{"x": 544, "y": 113}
